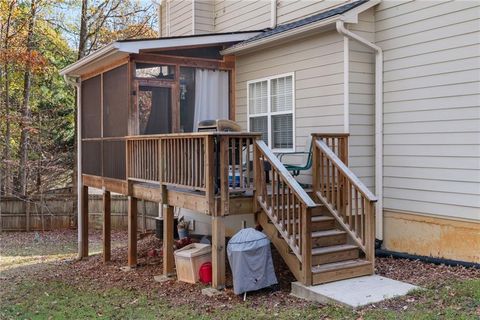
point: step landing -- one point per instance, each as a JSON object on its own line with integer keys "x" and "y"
{"x": 355, "y": 292}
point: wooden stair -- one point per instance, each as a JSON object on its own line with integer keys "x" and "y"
{"x": 321, "y": 241}
{"x": 333, "y": 258}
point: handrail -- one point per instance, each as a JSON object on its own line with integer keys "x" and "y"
{"x": 287, "y": 205}
{"x": 346, "y": 171}
{"x": 350, "y": 202}
{"x": 292, "y": 183}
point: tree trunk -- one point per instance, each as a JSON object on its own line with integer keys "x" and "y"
{"x": 82, "y": 41}
{"x": 7, "y": 149}
{"x": 25, "y": 121}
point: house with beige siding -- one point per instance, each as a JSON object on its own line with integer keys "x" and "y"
{"x": 359, "y": 121}
{"x": 430, "y": 109}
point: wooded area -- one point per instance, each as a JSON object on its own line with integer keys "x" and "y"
{"x": 37, "y": 107}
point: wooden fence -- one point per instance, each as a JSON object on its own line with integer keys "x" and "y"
{"x": 58, "y": 211}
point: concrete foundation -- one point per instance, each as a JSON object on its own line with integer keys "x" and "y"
{"x": 354, "y": 292}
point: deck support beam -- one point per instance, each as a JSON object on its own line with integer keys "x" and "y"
{"x": 218, "y": 252}
{"x": 168, "y": 258}
{"x": 107, "y": 226}
{"x": 132, "y": 231}
{"x": 83, "y": 224}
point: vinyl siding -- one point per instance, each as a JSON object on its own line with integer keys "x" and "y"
{"x": 291, "y": 10}
{"x": 231, "y": 15}
{"x": 361, "y": 101}
{"x": 180, "y": 17}
{"x": 317, "y": 63}
{"x": 204, "y": 16}
{"x": 163, "y": 20}
{"x": 431, "y": 106}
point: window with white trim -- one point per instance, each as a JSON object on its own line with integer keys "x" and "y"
{"x": 271, "y": 111}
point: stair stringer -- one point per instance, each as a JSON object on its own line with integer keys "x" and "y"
{"x": 281, "y": 245}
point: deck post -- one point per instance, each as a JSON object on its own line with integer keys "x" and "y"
{"x": 107, "y": 227}
{"x": 218, "y": 252}
{"x": 132, "y": 231}
{"x": 168, "y": 259}
{"x": 83, "y": 224}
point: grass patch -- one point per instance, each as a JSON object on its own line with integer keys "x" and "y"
{"x": 57, "y": 300}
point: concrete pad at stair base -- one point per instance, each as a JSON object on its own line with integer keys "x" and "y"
{"x": 355, "y": 292}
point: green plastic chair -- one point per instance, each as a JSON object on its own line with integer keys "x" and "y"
{"x": 306, "y": 162}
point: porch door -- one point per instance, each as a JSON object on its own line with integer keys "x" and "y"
{"x": 154, "y": 103}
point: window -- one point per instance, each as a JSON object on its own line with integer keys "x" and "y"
{"x": 154, "y": 71}
{"x": 271, "y": 111}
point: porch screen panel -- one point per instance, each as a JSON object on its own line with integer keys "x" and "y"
{"x": 154, "y": 108}
{"x": 114, "y": 159}
{"x": 91, "y": 108}
{"x": 115, "y": 102}
{"x": 92, "y": 158}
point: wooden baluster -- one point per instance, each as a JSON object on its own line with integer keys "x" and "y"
{"x": 240, "y": 163}
{"x": 357, "y": 211}
{"x": 247, "y": 160}
{"x": 328, "y": 185}
{"x": 348, "y": 209}
{"x": 283, "y": 204}
{"x": 334, "y": 189}
{"x": 272, "y": 200}
{"x": 363, "y": 219}
{"x": 295, "y": 218}
{"x": 306, "y": 239}
{"x": 232, "y": 154}
{"x": 290, "y": 213}
{"x": 339, "y": 194}
{"x": 208, "y": 170}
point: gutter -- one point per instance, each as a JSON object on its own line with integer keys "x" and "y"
{"x": 105, "y": 51}
{"x": 340, "y": 26}
{"x": 77, "y": 85}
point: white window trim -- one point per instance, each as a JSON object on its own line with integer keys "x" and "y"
{"x": 270, "y": 113}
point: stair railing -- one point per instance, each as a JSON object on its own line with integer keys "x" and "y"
{"x": 286, "y": 204}
{"x": 350, "y": 202}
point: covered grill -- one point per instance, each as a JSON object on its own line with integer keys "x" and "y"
{"x": 250, "y": 258}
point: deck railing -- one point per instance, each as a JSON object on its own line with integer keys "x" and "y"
{"x": 347, "y": 198}
{"x": 217, "y": 163}
{"x": 337, "y": 142}
{"x": 287, "y": 205}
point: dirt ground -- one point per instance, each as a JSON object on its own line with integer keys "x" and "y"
{"x": 50, "y": 256}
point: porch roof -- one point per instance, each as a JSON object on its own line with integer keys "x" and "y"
{"x": 322, "y": 21}
{"x": 123, "y": 48}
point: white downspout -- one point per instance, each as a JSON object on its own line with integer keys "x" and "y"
{"x": 273, "y": 14}
{"x": 79, "y": 160}
{"x": 378, "y": 121}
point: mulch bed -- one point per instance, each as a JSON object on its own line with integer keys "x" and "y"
{"x": 92, "y": 273}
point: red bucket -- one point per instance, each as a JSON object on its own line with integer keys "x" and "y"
{"x": 205, "y": 273}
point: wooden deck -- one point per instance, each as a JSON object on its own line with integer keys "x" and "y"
{"x": 220, "y": 174}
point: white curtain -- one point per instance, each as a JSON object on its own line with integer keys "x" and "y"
{"x": 211, "y": 96}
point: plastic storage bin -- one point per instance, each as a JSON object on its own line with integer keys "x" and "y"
{"x": 189, "y": 259}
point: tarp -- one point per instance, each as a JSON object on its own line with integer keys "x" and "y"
{"x": 250, "y": 258}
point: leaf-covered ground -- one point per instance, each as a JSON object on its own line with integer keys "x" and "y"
{"x": 40, "y": 279}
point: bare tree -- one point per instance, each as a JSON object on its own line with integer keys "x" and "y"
{"x": 6, "y": 99}
{"x": 25, "y": 109}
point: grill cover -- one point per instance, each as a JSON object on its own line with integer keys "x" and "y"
{"x": 250, "y": 258}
